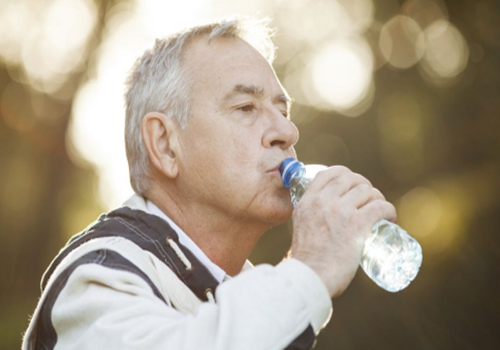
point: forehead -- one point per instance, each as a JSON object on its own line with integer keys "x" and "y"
{"x": 215, "y": 67}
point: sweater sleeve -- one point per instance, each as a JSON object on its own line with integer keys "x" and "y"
{"x": 100, "y": 306}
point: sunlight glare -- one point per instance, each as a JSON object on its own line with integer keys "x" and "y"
{"x": 96, "y": 131}
{"x": 342, "y": 72}
{"x": 13, "y": 17}
{"x": 160, "y": 18}
{"x": 359, "y": 14}
{"x": 67, "y": 25}
{"x": 98, "y": 122}
{"x": 54, "y": 48}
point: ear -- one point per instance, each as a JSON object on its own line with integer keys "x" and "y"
{"x": 160, "y": 138}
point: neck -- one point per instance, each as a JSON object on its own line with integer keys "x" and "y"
{"x": 226, "y": 241}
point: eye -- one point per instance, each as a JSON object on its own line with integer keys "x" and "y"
{"x": 247, "y": 108}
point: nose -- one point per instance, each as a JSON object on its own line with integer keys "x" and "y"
{"x": 281, "y": 131}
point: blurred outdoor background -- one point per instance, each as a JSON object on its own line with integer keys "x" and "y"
{"x": 406, "y": 93}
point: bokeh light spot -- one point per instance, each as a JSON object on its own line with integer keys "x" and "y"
{"x": 447, "y": 52}
{"x": 419, "y": 211}
{"x": 425, "y": 12}
{"x": 13, "y": 18}
{"x": 402, "y": 42}
{"x": 360, "y": 14}
{"x": 50, "y": 54}
{"x": 321, "y": 19}
{"x": 342, "y": 72}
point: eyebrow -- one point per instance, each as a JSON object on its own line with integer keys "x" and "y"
{"x": 248, "y": 89}
{"x": 257, "y": 91}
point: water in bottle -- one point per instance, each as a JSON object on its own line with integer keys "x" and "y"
{"x": 391, "y": 257}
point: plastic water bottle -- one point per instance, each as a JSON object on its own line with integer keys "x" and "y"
{"x": 391, "y": 257}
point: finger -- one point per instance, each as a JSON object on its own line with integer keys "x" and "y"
{"x": 337, "y": 182}
{"x": 377, "y": 210}
{"x": 361, "y": 195}
{"x": 325, "y": 177}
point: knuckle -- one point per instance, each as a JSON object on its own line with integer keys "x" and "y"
{"x": 334, "y": 207}
{"x": 385, "y": 209}
{"x": 338, "y": 171}
{"x": 317, "y": 203}
{"x": 377, "y": 206}
{"x": 321, "y": 174}
{"x": 365, "y": 187}
{"x": 362, "y": 179}
{"x": 361, "y": 189}
{"x": 334, "y": 172}
{"x": 382, "y": 205}
{"x": 378, "y": 194}
{"x": 340, "y": 168}
{"x": 389, "y": 206}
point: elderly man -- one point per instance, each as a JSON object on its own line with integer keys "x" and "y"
{"x": 207, "y": 128}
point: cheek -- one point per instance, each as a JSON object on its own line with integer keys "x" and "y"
{"x": 246, "y": 142}
{"x": 225, "y": 149}
{"x": 206, "y": 142}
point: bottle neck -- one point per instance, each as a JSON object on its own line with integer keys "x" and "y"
{"x": 297, "y": 175}
{"x": 290, "y": 169}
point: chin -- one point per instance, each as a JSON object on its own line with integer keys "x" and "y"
{"x": 279, "y": 214}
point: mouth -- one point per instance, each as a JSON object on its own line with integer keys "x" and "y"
{"x": 276, "y": 168}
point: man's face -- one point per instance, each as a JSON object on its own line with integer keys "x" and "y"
{"x": 238, "y": 133}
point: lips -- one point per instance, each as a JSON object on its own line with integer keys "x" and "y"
{"x": 276, "y": 168}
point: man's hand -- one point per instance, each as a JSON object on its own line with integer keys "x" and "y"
{"x": 332, "y": 221}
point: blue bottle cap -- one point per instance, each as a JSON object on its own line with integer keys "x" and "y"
{"x": 288, "y": 168}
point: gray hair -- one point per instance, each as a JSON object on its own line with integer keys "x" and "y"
{"x": 157, "y": 83}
